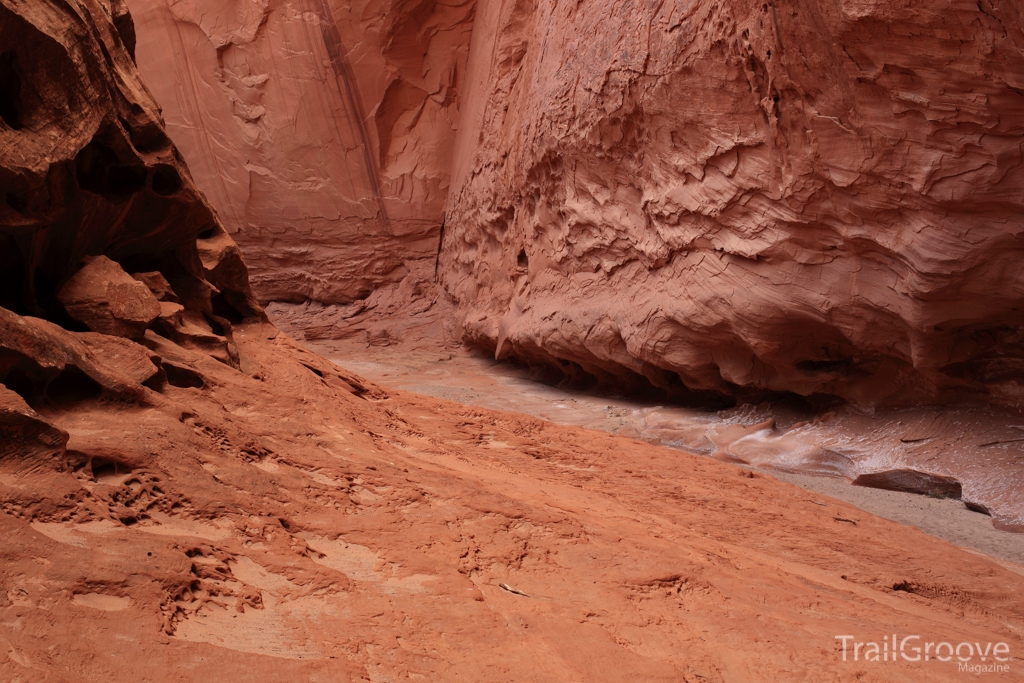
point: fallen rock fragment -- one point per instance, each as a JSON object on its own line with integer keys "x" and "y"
{"x": 912, "y": 481}
{"x": 975, "y": 506}
{"x": 158, "y": 285}
{"x": 43, "y": 362}
{"x": 108, "y": 300}
{"x": 225, "y": 270}
{"x": 23, "y": 432}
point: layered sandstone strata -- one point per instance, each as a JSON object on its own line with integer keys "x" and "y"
{"x": 321, "y": 130}
{"x": 747, "y": 197}
{"x": 193, "y": 495}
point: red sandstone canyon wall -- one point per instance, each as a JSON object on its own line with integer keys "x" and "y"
{"x": 805, "y": 196}
{"x": 730, "y": 198}
{"x": 320, "y": 130}
{"x": 185, "y": 489}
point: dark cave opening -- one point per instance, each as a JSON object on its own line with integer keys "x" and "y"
{"x": 99, "y": 171}
{"x": 72, "y": 386}
{"x": 166, "y": 180}
{"x": 18, "y": 381}
{"x": 12, "y": 275}
{"x": 11, "y": 105}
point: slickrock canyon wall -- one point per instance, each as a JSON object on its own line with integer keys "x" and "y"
{"x": 749, "y": 197}
{"x": 727, "y": 200}
{"x": 320, "y": 130}
{"x": 188, "y": 494}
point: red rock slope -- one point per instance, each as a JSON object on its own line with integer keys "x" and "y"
{"x": 187, "y": 494}
{"x": 238, "y": 530}
{"x": 818, "y": 197}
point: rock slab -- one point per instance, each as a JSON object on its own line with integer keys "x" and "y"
{"x": 108, "y": 300}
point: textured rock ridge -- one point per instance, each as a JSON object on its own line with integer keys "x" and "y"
{"x": 747, "y": 197}
{"x": 88, "y": 170}
{"x": 94, "y": 190}
{"x": 321, "y": 130}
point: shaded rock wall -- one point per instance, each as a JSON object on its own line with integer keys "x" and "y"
{"x": 818, "y": 197}
{"x": 87, "y": 169}
{"x": 321, "y": 130}
{"x": 103, "y": 234}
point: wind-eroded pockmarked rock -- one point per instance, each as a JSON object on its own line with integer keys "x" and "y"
{"x": 86, "y": 170}
{"x": 747, "y": 197}
{"x": 94, "y": 190}
{"x": 321, "y": 130}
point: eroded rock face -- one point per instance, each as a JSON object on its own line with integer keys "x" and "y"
{"x": 45, "y": 364}
{"x": 86, "y": 168}
{"x": 747, "y": 197}
{"x": 25, "y": 434}
{"x": 321, "y": 130}
{"x": 215, "y": 496}
{"x": 93, "y": 192}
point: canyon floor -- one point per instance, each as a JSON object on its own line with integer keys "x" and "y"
{"x": 290, "y": 521}
{"x": 468, "y": 377}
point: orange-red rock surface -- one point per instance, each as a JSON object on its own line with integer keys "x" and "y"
{"x": 816, "y": 197}
{"x": 203, "y": 498}
{"x": 739, "y": 198}
{"x": 288, "y": 522}
{"x": 320, "y": 130}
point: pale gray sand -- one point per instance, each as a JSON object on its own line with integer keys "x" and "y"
{"x": 947, "y": 519}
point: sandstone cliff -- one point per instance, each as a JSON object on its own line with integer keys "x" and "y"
{"x": 747, "y": 197}
{"x": 729, "y": 199}
{"x": 186, "y": 493}
{"x": 321, "y": 130}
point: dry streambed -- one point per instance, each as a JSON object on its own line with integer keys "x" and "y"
{"x": 957, "y": 474}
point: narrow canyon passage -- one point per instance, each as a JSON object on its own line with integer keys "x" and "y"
{"x": 247, "y": 246}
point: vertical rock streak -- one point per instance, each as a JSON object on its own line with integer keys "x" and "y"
{"x": 321, "y": 130}
{"x": 346, "y": 81}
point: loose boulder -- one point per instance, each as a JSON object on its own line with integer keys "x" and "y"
{"x": 912, "y": 481}
{"x": 106, "y": 299}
